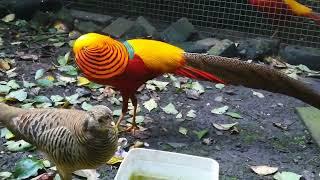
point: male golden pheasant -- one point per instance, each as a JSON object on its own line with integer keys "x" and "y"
{"x": 280, "y": 8}
{"x": 128, "y": 65}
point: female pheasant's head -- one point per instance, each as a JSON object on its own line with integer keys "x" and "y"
{"x": 100, "y": 57}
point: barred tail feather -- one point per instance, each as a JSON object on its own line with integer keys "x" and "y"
{"x": 237, "y": 72}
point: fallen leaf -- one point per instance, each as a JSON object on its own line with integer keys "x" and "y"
{"x": 201, "y": 134}
{"x": 117, "y": 112}
{"x": 5, "y": 133}
{"x": 191, "y": 113}
{"x": 45, "y": 83}
{"x": 16, "y": 146}
{"x": 82, "y": 81}
{"x": 219, "y": 86}
{"x": 183, "y": 130}
{"x": 220, "y": 110}
{"x": 63, "y": 60}
{"x": 178, "y": 116}
{"x": 27, "y": 167}
{"x": 170, "y": 109}
{"x": 224, "y": 127}
{"x": 69, "y": 70}
{"x": 19, "y": 95}
{"x": 233, "y": 115}
{"x": 58, "y": 44}
{"x": 89, "y": 174}
{"x": 39, "y": 74}
{"x": 264, "y": 170}
{"x": 5, "y": 175}
{"x": 8, "y": 18}
{"x": 56, "y": 98}
{"x": 13, "y": 84}
{"x": 156, "y": 84}
{"x": 198, "y": 87}
{"x": 4, "y": 89}
{"x": 73, "y": 99}
{"x": 42, "y": 99}
{"x": 286, "y": 176}
{"x": 258, "y": 94}
{"x": 139, "y": 119}
{"x": 27, "y": 84}
{"x": 86, "y": 106}
{"x": 150, "y": 105}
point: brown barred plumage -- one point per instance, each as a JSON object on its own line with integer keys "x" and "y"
{"x": 72, "y": 139}
{"x": 252, "y": 75}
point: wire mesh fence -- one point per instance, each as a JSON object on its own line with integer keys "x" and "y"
{"x": 233, "y": 18}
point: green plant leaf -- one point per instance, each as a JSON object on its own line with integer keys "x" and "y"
{"x": 73, "y": 99}
{"x": 42, "y": 99}
{"x": 183, "y": 130}
{"x": 13, "y": 84}
{"x": 170, "y": 109}
{"x": 39, "y": 74}
{"x": 19, "y": 95}
{"x": 86, "y": 106}
{"x": 201, "y": 134}
{"x": 233, "y": 115}
{"x": 220, "y": 110}
{"x": 45, "y": 83}
{"x": 6, "y": 133}
{"x": 56, "y": 98}
{"x": 16, "y": 146}
{"x": 5, "y": 89}
{"x": 27, "y": 167}
{"x": 286, "y": 176}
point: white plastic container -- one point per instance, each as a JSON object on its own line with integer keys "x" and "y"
{"x": 162, "y": 165}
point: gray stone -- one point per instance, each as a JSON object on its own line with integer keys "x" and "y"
{"x": 118, "y": 27}
{"x": 301, "y": 55}
{"x": 192, "y": 47}
{"x": 142, "y": 28}
{"x": 258, "y": 48}
{"x": 224, "y": 48}
{"x": 89, "y": 16}
{"x": 178, "y": 31}
{"x": 87, "y": 26}
{"x": 207, "y": 42}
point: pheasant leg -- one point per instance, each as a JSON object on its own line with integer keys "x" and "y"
{"x": 134, "y": 125}
{"x": 123, "y": 112}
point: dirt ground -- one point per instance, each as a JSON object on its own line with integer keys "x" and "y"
{"x": 259, "y": 141}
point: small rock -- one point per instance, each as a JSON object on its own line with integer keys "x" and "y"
{"x": 83, "y": 92}
{"x": 193, "y": 94}
{"x": 118, "y": 27}
{"x": 308, "y": 175}
{"x": 87, "y": 26}
{"x": 192, "y": 47}
{"x": 258, "y": 48}
{"x": 207, "y": 141}
{"x": 142, "y": 28}
{"x": 207, "y": 42}
{"x": 218, "y": 99}
{"x": 301, "y": 55}
{"x": 89, "y": 16}
{"x": 178, "y": 31}
{"x": 224, "y": 48}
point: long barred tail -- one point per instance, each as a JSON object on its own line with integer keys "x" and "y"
{"x": 237, "y": 72}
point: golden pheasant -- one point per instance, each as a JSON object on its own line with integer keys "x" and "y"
{"x": 285, "y": 7}
{"x": 128, "y": 65}
{"x": 71, "y": 139}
